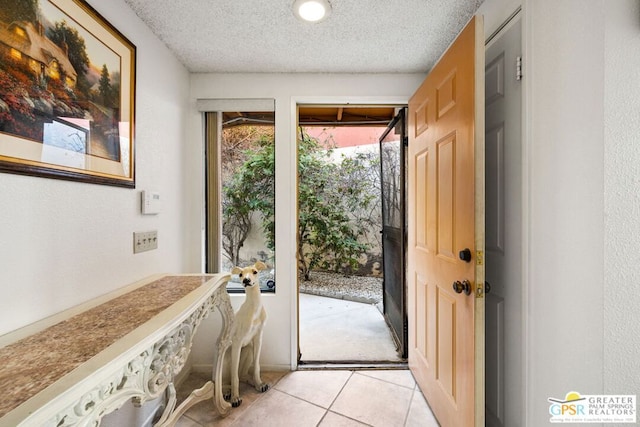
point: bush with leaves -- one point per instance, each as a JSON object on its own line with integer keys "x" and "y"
{"x": 333, "y": 202}
{"x": 19, "y": 10}
{"x": 250, "y": 189}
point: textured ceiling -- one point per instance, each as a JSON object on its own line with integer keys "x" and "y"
{"x": 360, "y": 36}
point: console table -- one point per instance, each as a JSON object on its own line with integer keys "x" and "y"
{"x": 77, "y": 366}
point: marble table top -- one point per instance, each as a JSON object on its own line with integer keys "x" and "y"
{"x": 33, "y": 363}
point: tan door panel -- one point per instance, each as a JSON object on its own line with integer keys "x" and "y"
{"x": 446, "y": 216}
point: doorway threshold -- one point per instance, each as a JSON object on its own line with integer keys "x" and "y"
{"x": 349, "y": 365}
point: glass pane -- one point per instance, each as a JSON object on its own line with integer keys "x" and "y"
{"x": 392, "y": 190}
{"x": 248, "y": 194}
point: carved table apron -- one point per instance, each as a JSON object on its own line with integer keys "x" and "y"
{"x": 77, "y": 366}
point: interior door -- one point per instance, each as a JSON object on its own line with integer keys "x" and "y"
{"x": 503, "y": 105}
{"x": 392, "y": 177}
{"x": 445, "y": 247}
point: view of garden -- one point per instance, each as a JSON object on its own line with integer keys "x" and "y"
{"x": 338, "y": 202}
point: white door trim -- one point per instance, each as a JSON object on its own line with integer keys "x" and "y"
{"x": 293, "y": 160}
{"x": 497, "y": 14}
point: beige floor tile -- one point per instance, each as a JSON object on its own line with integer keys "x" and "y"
{"x": 194, "y": 381}
{"x": 420, "y": 414}
{"x": 368, "y": 397}
{"x": 331, "y": 419}
{"x": 273, "y": 377}
{"x": 318, "y": 387}
{"x": 373, "y": 401}
{"x": 204, "y": 412}
{"x": 402, "y": 377}
{"x": 187, "y": 422}
{"x": 278, "y": 409}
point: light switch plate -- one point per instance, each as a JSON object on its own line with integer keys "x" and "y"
{"x": 145, "y": 241}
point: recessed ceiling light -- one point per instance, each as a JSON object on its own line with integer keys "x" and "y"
{"x": 312, "y": 10}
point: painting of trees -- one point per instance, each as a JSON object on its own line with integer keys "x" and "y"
{"x": 108, "y": 96}
{"x": 18, "y": 10}
{"x": 67, "y": 85}
{"x": 69, "y": 40}
{"x": 47, "y": 73}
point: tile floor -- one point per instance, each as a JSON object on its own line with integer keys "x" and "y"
{"x": 326, "y": 398}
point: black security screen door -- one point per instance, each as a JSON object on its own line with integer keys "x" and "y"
{"x": 392, "y": 164}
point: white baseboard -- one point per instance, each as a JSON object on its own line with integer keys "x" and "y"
{"x": 208, "y": 368}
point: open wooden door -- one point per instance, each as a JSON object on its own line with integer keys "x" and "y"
{"x": 445, "y": 269}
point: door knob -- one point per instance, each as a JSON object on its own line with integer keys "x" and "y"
{"x": 460, "y": 287}
{"x": 465, "y": 255}
{"x": 487, "y": 287}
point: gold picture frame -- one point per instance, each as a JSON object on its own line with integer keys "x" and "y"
{"x": 67, "y": 93}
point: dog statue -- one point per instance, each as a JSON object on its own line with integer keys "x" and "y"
{"x": 246, "y": 337}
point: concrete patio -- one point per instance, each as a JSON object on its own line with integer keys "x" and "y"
{"x": 337, "y": 330}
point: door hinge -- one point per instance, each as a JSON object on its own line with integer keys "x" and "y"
{"x": 519, "y": 68}
{"x": 405, "y": 141}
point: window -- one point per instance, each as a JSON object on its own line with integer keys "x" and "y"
{"x": 241, "y": 193}
{"x": 54, "y": 71}
{"x": 15, "y": 53}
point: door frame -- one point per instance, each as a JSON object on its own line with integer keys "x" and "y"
{"x": 497, "y": 14}
{"x": 293, "y": 158}
{"x": 517, "y": 18}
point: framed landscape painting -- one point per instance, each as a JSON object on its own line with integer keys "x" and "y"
{"x": 67, "y": 93}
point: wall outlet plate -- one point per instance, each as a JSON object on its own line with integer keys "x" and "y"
{"x": 145, "y": 241}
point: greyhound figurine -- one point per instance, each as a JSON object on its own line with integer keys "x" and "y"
{"x": 246, "y": 336}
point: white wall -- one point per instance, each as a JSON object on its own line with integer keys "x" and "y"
{"x": 583, "y": 172}
{"x": 564, "y": 78}
{"x": 61, "y": 242}
{"x": 622, "y": 198}
{"x": 584, "y": 279}
{"x": 287, "y": 89}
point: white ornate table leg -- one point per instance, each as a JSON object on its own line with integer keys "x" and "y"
{"x": 223, "y": 302}
{"x": 196, "y": 396}
{"x": 169, "y": 409}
